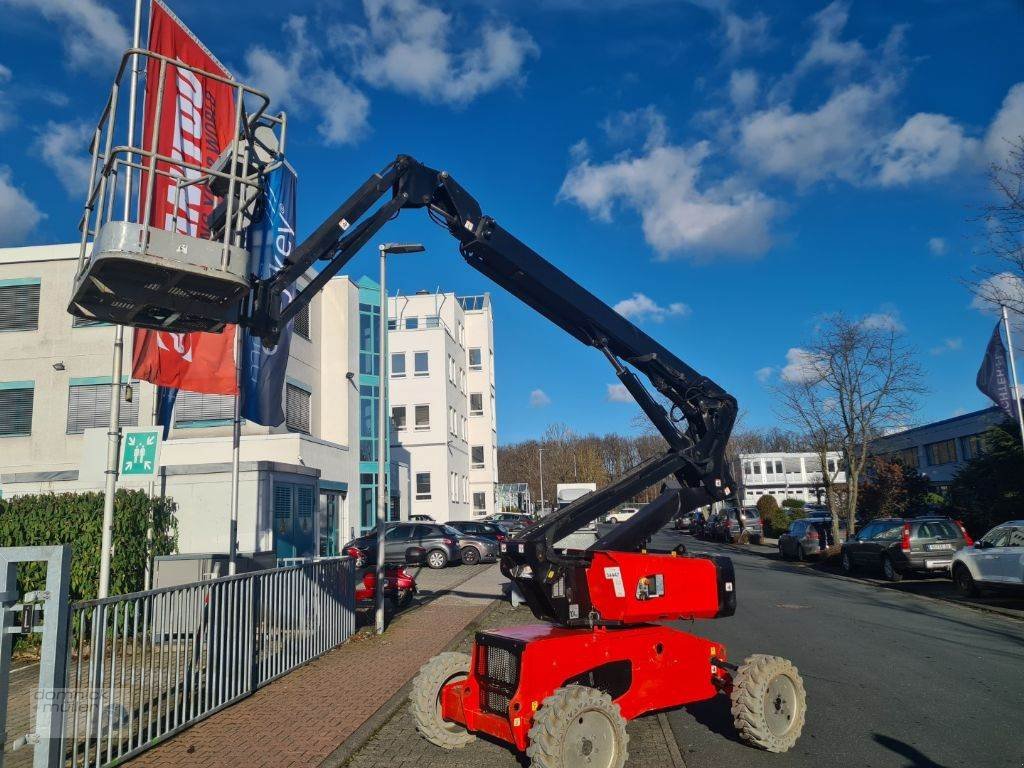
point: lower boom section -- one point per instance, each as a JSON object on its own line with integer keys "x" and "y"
{"x": 641, "y": 668}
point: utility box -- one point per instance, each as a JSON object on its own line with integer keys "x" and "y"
{"x": 175, "y": 570}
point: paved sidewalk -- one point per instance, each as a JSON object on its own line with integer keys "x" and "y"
{"x": 301, "y": 718}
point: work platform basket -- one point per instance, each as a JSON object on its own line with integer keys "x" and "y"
{"x": 163, "y": 233}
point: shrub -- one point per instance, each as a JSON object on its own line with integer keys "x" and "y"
{"x": 796, "y": 504}
{"x": 77, "y": 519}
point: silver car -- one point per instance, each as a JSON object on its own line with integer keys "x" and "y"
{"x": 476, "y": 549}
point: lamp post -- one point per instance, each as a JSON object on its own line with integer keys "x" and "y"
{"x": 540, "y": 460}
{"x": 383, "y": 431}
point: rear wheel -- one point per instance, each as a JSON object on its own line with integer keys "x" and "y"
{"x": 847, "y": 563}
{"x": 769, "y": 703}
{"x": 613, "y": 520}
{"x": 889, "y": 570}
{"x": 578, "y": 726}
{"x": 965, "y": 583}
{"x": 800, "y": 554}
{"x": 470, "y": 556}
{"x": 437, "y": 558}
{"x": 425, "y": 700}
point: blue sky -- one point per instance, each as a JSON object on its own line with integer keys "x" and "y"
{"x": 730, "y": 173}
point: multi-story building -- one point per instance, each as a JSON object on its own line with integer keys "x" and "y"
{"x": 786, "y": 476}
{"x": 441, "y": 364}
{"x": 938, "y": 450}
{"x": 305, "y": 486}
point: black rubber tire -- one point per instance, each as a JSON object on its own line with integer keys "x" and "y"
{"x": 965, "y": 583}
{"x": 470, "y": 556}
{"x": 613, "y": 520}
{"x": 752, "y": 712}
{"x": 782, "y": 553}
{"x": 800, "y": 554}
{"x": 889, "y": 570}
{"x": 424, "y": 700}
{"x": 565, "y": 708}
{"x": 847, "y": 564}
{"x": 437, "y": 559}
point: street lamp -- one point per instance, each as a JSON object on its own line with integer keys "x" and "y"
{"x": 384, "y": 432}
{"x": 540, "y": 459}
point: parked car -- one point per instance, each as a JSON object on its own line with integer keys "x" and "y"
{"x": 480, "y": 528}
{"x": 621, "y": 515}
{"x": 995, "y": 561}
{"x": 742, "y": 525}
{"x": 684, "y": 522}
{"x": 900, "y": 546}
{"x": 510, "y": 521}
{"x": 805, "y": 538}
{"x": 476, "y": 549}
{"x": 439, "y": 543}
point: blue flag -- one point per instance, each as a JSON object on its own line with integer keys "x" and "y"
{"x": 271, "y": 240}
{"x": 994, "y": 376}
{"x": 165, "y": 397}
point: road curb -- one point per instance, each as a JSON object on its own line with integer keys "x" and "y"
{"x": 670, "y": 741}
{"x": 361, "y": 735}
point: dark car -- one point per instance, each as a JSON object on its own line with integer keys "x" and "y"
{"x": 805, "y": 538}
{"x": 684, "y": 522}
{"x": 439, "y": 543}
{"x": 899, "y": 546}
{"x": 742, "y": 525}
{"x": 479, "y": 528}
{"x": 512, "y": 522}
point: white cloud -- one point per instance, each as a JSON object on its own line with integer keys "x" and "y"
{"x": 65, "y": 148}
{"x": 938, "y": 246}
{"x": 801, "y": 366}
{"x": 617, "y": 393}
{"x": 886, "y": 320}
{"x": 948, "y": 345}
{"x": 647, "y": 123}
{"x": 743, "y": 88}
{"x": 742, "y": 34}
{"x": 925, "y": 147}
{"x": 640, "y": 307}
{"x": 299, "y": 81}
{"x": 679, "y": 214}
{"x": 764, "y": 374}
{"x": 408, "y": 46}
{"x": 92, "y": 33}
{"x": 1003, "y": 288}
{"x": 18, "y": 214}
{"x": 826, "y": 48}
{"x": 1007, "y": 127}
{"x": 539, "y": 399}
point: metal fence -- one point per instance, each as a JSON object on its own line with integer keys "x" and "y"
{"x": 145, "y": 665}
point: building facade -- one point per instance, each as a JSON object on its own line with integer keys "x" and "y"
{"x": 939, "y": 450}
{"x": 442, "y": 401}
{"x": 305, "y": 486}
{"x": 785, "y": 476}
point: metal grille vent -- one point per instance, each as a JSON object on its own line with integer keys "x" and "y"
{"x": 500, "y": 679}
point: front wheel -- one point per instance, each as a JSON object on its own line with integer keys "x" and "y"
{"x": 437, "y": 558}
{"x": 769, "y": 704}
{"x": 578, "y": 726}
{"x": 965, "y": 583}
{"x": 470, "y": 556}
{"x": 425, "y": 700}
{"x": 613, "y": 520}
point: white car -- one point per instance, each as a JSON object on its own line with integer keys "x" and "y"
{"x": 995, "y": 561}
{"x": 621, "y": 515}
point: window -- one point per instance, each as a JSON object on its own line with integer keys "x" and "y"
{"x": 392, "y": 325}
{"x": 422, "y": 413}
{"x": 368, "y": 403}
{"x": 451, "y": 369}
{"x": 477, "y": 457}
{"x": 1016, "y": 538}
{"x": 89, "y": 406}
{"x": 421, "y": 363}
{"x": 778, "y": 468}
{"x": 475, "y": 359}
{"x": 432, "y": 321}
{"x": 462, "y": 380}
{"x": 476, "y": 404}
{"x": 401, "y": 533}
{"x": 19, "y": 305}
{"x": 422, "y": 486}
{"x": 296, "y": 409}
{"x": 479, "y": 501}
{"x": 412, "y": 323}
{"x": 398, "y": 365}
{"x": 301, "y": 323}
{"x": 369, "y": 338}
{"x": 943, "y": 452}
{"x": 907, "y": 457}
{"x": 972, "y": 446}
{"x": 398, "y": 417}
{"x": 888, "y": 532}
{"x": 453, "y": 486}
{"x": 451, "y": 421}
{"x": 197, "y": 409}
{"x": 831, "y": 463}
{"x": 769, "y": 468}
{"x": 16, "y": 408}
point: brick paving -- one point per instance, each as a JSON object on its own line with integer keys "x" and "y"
{"x": 397, "y": 745}
{"x": 301, "y": 718}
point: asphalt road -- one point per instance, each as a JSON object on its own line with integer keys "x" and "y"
{"x": 893, "y": 680}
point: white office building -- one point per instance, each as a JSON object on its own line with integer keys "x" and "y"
{"x": 442, "y": 401}
{"x": 786, "y": 476}
{"x": 306, "y": 486}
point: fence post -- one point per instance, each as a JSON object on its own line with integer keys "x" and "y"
{"x": 256, "y": 648}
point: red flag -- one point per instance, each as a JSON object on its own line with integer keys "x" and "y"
{"x": 197, "y": 119}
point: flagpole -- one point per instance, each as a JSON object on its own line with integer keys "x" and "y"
{"x": 117, "y": 363}
{"x": 236, "y": 444}
{"x": 1013, "y": 374}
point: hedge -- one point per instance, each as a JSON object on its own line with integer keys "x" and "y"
{"x": 77, "y": 519}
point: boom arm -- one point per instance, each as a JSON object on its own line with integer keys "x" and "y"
{"x": 701, "y": 414}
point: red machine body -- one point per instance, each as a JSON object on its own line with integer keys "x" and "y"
{"x": 643, "y": 667}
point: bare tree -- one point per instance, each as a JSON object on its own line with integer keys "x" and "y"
{"x": 856, "y": 380}
{"x": 1004, "y": 226}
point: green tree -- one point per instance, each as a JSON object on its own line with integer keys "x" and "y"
{"x": 989, "y": 489}
{"x": 893, "y": 490}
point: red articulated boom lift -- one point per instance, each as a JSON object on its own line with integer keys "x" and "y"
{"x": 560, "y": 691}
